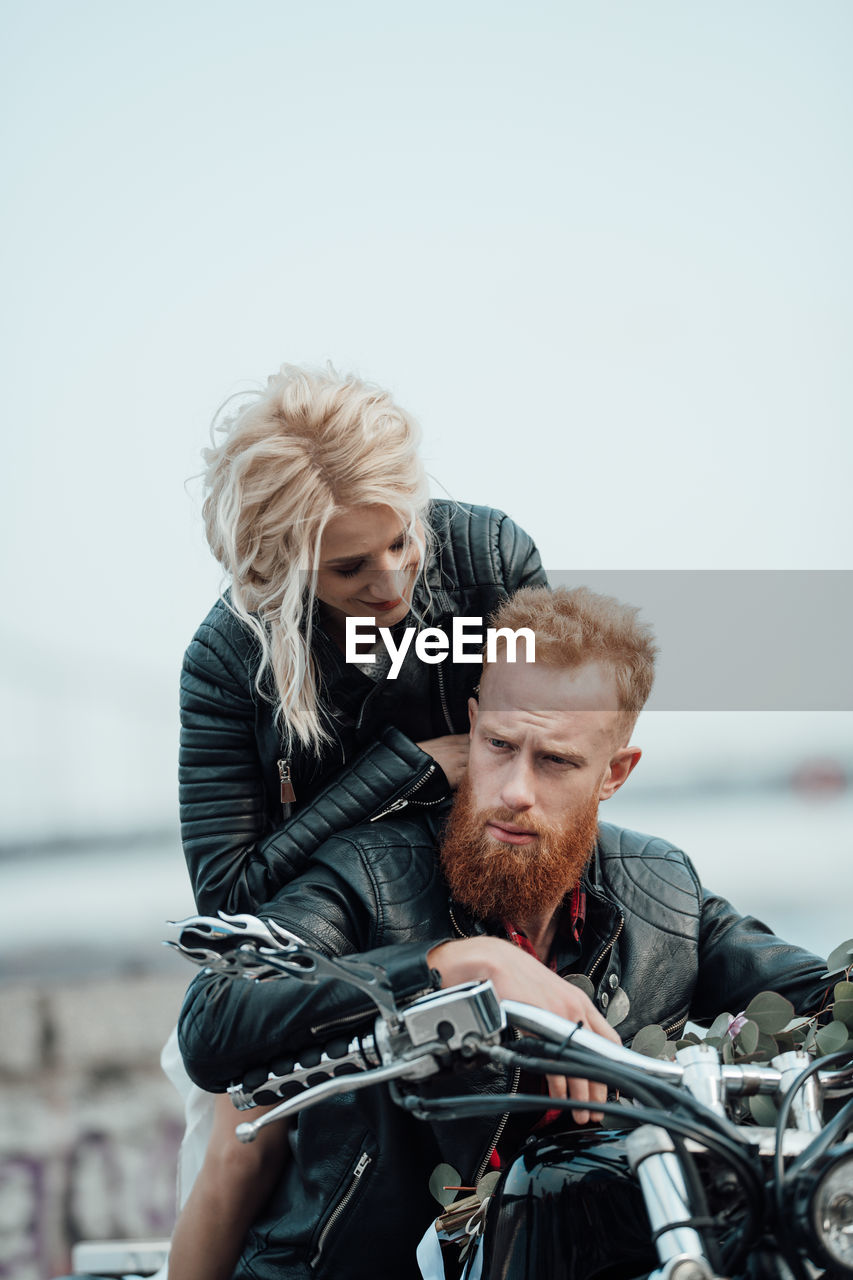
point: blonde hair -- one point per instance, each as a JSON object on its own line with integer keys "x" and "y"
{"x": 310, "y": 446}
{"x": 578, "y": 626}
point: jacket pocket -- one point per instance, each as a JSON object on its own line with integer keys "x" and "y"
{"x": 349, "y": 1191}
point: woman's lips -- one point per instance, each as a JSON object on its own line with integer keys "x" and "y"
{"x": 510, "y": 834}
{"x": 383, "y": 606}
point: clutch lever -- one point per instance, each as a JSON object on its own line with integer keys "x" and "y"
{"x": 245, "y": 946}
{"x": 421, "y": 1064}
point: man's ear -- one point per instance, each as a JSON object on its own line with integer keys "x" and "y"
{"x": 621, "y": 765}
{"x": 473, "y": 709}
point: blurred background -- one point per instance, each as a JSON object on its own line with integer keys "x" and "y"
{"x": 601, "y": 252}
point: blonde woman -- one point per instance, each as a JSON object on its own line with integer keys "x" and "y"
{"x": 317, "y": 509}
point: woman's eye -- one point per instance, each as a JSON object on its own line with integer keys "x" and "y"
{"x": 349, "y": 572}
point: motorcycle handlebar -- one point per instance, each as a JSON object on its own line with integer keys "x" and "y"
{"x": 456, "y": 1022}
{"x": 745, "y": 1079}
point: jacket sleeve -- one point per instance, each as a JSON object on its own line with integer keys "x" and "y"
{"x": 234, "y": 860}
{"x": 228, "y": 1025}
{"x": 739, "y": 956}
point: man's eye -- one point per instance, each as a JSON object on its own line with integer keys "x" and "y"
{"x": 561, "y": 761}
{"x": 498, "y": 744}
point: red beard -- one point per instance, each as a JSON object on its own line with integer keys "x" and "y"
{"x": 499, "y": 881}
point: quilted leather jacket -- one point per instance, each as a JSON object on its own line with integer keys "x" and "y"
{"x": 240, "y": 846}
{"x": 354, "y": 1201}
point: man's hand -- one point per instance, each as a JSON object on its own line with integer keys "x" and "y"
{"x": 450, "y": 753}
{"x": 516, "y": 975}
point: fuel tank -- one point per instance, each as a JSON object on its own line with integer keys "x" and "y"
{"x": 569, "y": 1209}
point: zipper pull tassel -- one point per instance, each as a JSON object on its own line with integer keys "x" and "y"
{"x": 288, "y": 795}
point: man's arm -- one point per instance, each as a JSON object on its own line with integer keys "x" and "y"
{"x": 378, "y": 897}
{"x": 739, "y": 956}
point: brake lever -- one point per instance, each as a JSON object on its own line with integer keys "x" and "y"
{"x": 245, "y": 946}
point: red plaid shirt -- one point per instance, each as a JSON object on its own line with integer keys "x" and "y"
{"x": 575, "y": 916}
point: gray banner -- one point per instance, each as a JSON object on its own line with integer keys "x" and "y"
{"x": 741, "y": 640}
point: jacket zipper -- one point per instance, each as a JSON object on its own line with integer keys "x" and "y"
{"x": 288, "y": 795}
{"x": 363, "y": 1161}
{"x": 484, "y": 1163}
{"x": 404, "y": 799}
{"x": 676, "y": 1026}
{"x": 345, "y": 1019}
{"x": 516, "y": 1077}
{"x": 608, "y": 946}
{"x": 442, "y": 695}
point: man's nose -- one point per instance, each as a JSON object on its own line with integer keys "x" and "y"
{"x": 517, "y": 785}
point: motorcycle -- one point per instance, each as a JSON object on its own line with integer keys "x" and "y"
{"x": 677, "y": 1188}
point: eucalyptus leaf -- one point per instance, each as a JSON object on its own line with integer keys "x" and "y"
{"x": 720, "y": 1025}
{"x": 728, "y": 1051}
{"x": 581, "y": 981}
{"x": 650, "y": 1041}
{"x": 841, "y": 957}
{"x": 443, "y": 1176}
{"x": 618, "y": 1008}
{"x": 771, "y": 1011}
{"x": 767, "y": 1047}
{"x": 487, "y": 1183}
{"x": 842, "y": 991}
{"x": 842, "y": 1010}
{"x": 831, "y": 1038}
{"x": 795, "y": 1025}
{"x": 762, "y": 1109}
{"x": 746, "y": 1040}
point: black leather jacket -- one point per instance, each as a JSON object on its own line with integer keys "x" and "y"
{"x": 239, "y": 851}
{"x": 354, "y": 1201}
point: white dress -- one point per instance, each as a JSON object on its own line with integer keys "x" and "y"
{"x": 198, "y": 1114}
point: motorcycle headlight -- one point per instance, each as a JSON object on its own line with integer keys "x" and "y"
{"x": 830, "y": 1212}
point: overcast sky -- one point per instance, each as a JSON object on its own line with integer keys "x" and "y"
{"x": 602, "y": 251}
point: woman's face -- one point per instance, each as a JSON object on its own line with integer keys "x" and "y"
{"x": 367, "y": 569}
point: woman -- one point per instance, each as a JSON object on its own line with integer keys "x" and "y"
{"x": 317, "y": 509}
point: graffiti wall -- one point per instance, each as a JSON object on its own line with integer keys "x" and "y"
{"x": 89, "y": 1126}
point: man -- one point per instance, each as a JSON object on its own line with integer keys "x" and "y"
{"x": 526, "y": 889}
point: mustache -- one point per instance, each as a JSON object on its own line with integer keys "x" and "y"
{"x": 508, "y": 816}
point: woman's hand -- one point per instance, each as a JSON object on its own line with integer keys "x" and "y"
{"x": 450, "y": 753}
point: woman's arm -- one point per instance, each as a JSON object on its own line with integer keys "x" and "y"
{"x": 235, "y": 859}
